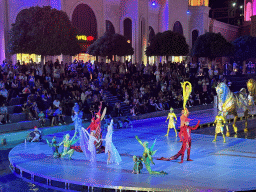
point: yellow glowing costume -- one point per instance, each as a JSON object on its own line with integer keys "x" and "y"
{"x": 171, "y": 116}
{"x": 220, "y": 122}
{"x": 187, "y": 89}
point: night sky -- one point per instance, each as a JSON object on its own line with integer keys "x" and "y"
{"x": 224, "y": 3}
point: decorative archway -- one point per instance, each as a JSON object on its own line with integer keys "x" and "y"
{"x": 84, "y": 19}
{"x": 128, "y": 29}
{"x": 110, "y": 27}
{"x": 177, "y": 27}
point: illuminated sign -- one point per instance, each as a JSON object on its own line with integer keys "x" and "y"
{"x": 85, "y": 38}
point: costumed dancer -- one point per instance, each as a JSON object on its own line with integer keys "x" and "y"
{"x": 91, "y": 145}
{"x": 55, "y": 147}
{"x": 96, "y": 126}
{"x": 147, "y": 156}
{"x": 187, "y": 89}
{"x": 171, "y": 116}
{"x": 77, "y": 118}
{"x": 67, "y": 143}
{"x": 113, "y": 155}
{"x": 220, "y": 122}
{"x": 185, "y": 135}
{"x": 137, "y": 164}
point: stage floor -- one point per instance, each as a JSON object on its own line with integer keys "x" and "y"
{"x": 217, "y": 166}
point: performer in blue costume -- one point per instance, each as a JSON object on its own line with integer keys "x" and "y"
{"x": 77, "y": 118}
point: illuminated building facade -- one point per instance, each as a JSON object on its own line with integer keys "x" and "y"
{"x": 136, "y": 19}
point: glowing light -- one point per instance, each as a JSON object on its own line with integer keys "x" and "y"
{"x": 234, "y": 4}
{"x": 153, "y": 3}
{"x": 85, "y": 38}
{"x": 188, "y": 11}
{"x": 241, "y": 6}
{"x": 128, "y": 41}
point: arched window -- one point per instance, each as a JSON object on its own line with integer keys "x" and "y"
{"x": 110, "y": 27}
{"x": 128, "y": 29}
{"x": 151, "y": 34}
{"x": 178, "y": 27}
{"x": 248, "y": 13}
{"x": 84, "y": 20}
{"x": 194, "y": 36}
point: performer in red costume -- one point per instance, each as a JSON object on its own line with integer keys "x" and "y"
{"x": 95, "y": 127}
{"x": 185, "y": 136}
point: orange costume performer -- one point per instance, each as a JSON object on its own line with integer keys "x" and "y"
{"x": 185, "y": 135}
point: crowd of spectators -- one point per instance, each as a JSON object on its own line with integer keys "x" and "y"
{"x": 50, "y": 90}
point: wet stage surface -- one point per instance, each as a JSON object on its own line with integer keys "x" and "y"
{"x": 216, "y": 166}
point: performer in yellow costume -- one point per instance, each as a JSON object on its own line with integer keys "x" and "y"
{"x": 171, "y": 116}
{"x": 220, "y": 122}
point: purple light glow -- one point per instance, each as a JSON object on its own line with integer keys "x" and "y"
{"x": 153, "y": 3}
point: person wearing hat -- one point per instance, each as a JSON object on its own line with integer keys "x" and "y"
{"x": 171, "y": 116}
{"x": 220, "y": 122}
{"x": 185, "y": 135}
{"x": 34, "y": 136}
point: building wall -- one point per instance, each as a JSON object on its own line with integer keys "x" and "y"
{"x": 178, "y": 12}
{"x": 153, "y": 17}
{"x": 230, "y": 32}
{"x": 161, "y": 16}
{"x": 112, "y": 13}
{"x": 199, "y": 20}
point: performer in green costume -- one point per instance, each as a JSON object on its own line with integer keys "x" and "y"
{"x": 67, "y": 143}
{"x": 54, "y": 146}
{"x": 137, "y": 164}
{"x": 147, "y": 157}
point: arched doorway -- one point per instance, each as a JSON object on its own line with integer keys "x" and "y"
{"x": 177, "y": 27}
{"x": 128, "y": 29}
{"x": 194, "y": 36}
{"x": 151, "y": 34}
{"x": 110, "y": 27}
{"x": 84, "y": 19}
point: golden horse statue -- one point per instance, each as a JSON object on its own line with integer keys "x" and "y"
{"x": 229, "y": 103}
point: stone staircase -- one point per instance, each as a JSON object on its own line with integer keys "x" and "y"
{"x": 112, "y": 99}
{"x": 18, "y": 119}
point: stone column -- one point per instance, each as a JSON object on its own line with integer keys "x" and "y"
{"x": 2, "y": 39}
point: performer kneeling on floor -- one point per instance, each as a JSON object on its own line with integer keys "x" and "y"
{"x": 185, "y": 136}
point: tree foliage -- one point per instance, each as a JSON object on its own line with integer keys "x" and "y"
{"x": 43, "y": 31}
{"x": 244, "y": 47}
{"x": 110, "y": 44}
{"x": 168, "y": 43}
{"x": 212, "y": 45}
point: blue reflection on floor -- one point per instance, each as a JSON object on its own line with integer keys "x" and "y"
{"x": 217, "y": 166}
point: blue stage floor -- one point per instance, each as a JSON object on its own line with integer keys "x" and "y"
{"x": 217, "y": 166}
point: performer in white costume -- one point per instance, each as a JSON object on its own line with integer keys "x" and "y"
{"x": 113, "y": 155}
{"x": 90, "y": 143}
